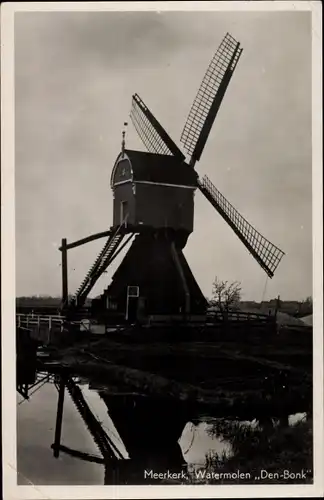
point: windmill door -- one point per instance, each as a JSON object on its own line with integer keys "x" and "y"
{"x": 123, "y": 211}
{"x": 132, "y": 303}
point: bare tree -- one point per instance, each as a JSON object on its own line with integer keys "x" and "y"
{"x": 306, "y": 306}
{"x": 226, "y": 296}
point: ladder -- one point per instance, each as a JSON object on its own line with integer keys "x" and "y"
{"x": 103, "y": 442}
{"x": 98, "y": 267}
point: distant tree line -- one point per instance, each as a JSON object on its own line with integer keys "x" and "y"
{"x": 37, "y": 301}
{"x": 41, "y": 301}
{"x": 226, "y": 297}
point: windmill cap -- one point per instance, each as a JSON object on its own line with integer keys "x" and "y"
{"x": 152, "y": 167}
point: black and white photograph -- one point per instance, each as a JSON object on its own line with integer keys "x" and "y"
{"x": 162, "y": 187}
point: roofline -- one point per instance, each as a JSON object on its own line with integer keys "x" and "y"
{"x": 122, "y": 156}
{"x": 167, "y": 184}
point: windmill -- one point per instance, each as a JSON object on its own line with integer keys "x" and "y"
{"x": 154, "y": 202}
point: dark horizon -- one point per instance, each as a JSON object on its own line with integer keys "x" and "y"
{"x": 59, "y": 298}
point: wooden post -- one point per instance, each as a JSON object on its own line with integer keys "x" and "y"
{"x": 59, "y": 419}
{"x": 64, "y": 272}
{"x": 127, "y": 305}
{"x": 49, "y": 330}
{"x": 277, "y": 306}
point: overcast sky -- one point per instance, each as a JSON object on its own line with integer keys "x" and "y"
{"x": 75, "y": 75}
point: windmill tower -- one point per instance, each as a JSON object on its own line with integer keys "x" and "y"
{"x": 154, "y": 203}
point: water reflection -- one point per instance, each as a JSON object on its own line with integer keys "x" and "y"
{"x": 197, "y": 443}
{"x": 145, "y": 435}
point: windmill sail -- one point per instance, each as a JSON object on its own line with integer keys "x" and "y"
{"x": 209, "y": 97}
{"x": 153, "y": 135}
{"x": 264, "y": 252}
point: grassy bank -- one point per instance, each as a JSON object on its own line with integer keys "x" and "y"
{"x": 278, "y": 454}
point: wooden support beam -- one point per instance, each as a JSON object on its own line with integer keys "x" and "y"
{"x": 93, "y": 237}
{"x": 80, "y": 454}
{"x": 182, "y": 278}
{"x": 59, "y": 419}
{"x": 64, "y": 272}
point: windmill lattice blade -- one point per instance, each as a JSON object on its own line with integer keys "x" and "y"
{"x": 153, "y": 135}
{"x": 209, "y": 97}
{"x": 265, "y": 252}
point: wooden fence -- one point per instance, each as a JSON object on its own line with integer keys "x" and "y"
{"x": 240, "y": 316}
{"x": 41, "y": 327}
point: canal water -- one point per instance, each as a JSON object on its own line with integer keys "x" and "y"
{"x": 35, "y": 435}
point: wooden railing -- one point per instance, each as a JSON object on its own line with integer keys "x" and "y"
{"x": 240, "y": 316}
{"x": 38, "y": 320}
{"x": 41, "y": 327}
